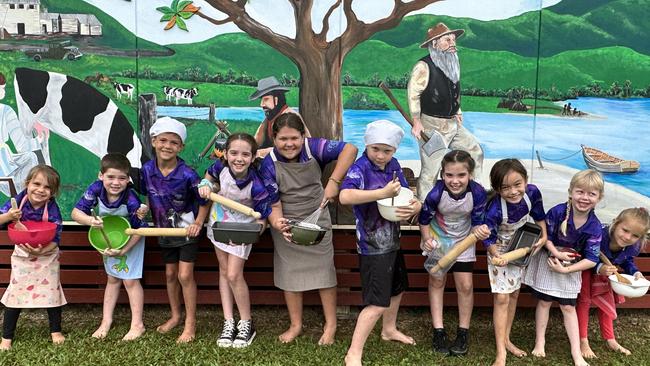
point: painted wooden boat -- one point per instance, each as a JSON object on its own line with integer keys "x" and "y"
{"x": 606, "y": 163}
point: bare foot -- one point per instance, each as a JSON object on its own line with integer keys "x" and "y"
{"x": 57, "y": 338}
{"x": 5, "y": 344}
{"x": 614, "y": 346}
{"x": 579, "y": 361}
{"x": 500, "y": 361}
{"x": 516, "y": 351}
{"x": 351, "y": 360}
{"x": 538, "y": 352}
{"x": 328, "y": 336}
{"x": 186, "y": 337}
{"x": 290, "y": 334}
{"x": 397, "y": 336}
{"x": 586, "y": 350}
{"x": 134, "y": 333}
{"x": 167, "y": 326}
{"x": 102, "y": 331}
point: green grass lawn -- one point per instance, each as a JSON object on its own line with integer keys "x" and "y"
{"x": 32, "y": 343}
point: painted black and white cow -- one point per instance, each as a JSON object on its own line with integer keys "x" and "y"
{"x": 180, "y": 93}
{"x": 124, "y": 89}
{"x": 75, "y": 111}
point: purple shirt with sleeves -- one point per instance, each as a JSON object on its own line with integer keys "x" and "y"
{"x": 96, "y": 192}
{"x": 624, "y": 257}
{"x": 260, "y": 195}
{"x": 31, "y": 214}
{"x": 177, "y": 192}
{"x": 585, "y": 240}
{"x": 494, "y": 216}
{"x": 430, "y": 204}
{"x": 375, "y": 235}
{"x": 322, "y": 150}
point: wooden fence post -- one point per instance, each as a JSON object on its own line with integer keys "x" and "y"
{"x": 146, "y": 117}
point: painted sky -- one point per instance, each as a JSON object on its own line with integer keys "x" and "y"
{"x": 141, "y": 18}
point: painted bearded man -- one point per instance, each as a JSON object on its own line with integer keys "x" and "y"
{"x": 434, "y": 102}
{"x": 273, "y": 103}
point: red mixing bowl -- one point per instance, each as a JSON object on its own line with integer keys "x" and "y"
{"x": 38, "y": 233}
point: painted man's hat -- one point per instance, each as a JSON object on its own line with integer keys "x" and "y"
{"x": 438, "y": 31}
{"x": 267, "y": 85}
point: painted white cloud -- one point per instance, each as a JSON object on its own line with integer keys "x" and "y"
{"x": 140, "y": 16}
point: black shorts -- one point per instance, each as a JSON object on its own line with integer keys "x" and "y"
{"x": 382, "y": 277}
{"x": 551, "y": 298}
{"x": 185, "y": 252}
{"x": 462, "y": 267}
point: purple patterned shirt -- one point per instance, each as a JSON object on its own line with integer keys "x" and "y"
{"x": 430, "y": 205}
{"x": 624, "y": 257}
{"x": 96, "y": 192}
{"x": 176, "y": 193}
{"x": 31, "y": 214}
{"x": 261, "y": 202}
{"x": 494, "y": 216}
{"x": 323, "y": 150}
{"x": 586, "y": 239}
{"x": 375, "y": 235}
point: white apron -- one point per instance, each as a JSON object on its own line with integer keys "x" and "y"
{"x": 221, "y": 213}
{"x": 128, "y": 266}
{"x": 35, "y": 280}
{"x": 507, "y": 279}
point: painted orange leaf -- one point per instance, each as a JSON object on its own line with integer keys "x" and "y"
{"x": 171, "y": 23}
{"x": 191, "y": 8}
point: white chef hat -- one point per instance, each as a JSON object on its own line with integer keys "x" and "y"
{"x": 167, "y": 124}
{"x": 383, "y": 132}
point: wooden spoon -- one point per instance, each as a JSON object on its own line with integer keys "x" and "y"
{"x": 18, "y": 225}
{"x": 619, "y": 278}
{"x": 101, "y": 230}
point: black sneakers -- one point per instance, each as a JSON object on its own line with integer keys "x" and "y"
{"x": 439, "y": 341}
{"x": 227, "y": 334}
{"x": 245, "y": 334}
{"x": 461, "y": 344}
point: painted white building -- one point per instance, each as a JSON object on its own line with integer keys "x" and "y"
{"x": 26, "y": 17}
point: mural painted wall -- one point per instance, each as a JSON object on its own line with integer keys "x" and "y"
{"x": 539, "y": 79}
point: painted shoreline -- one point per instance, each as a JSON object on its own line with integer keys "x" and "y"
{"x": 553, "y": 182}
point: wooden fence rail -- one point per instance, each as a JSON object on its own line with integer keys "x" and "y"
{"x": 83, "y": 276}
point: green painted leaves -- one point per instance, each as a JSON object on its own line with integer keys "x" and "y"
{"x": 176, "y": 13}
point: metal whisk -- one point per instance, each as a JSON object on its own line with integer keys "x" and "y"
{"x": 313, "y": 218}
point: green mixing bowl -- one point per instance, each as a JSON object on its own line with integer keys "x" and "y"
{"x": 306, "y": 234}
{"x": 114, "y": 227}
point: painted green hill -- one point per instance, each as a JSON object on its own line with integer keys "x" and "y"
{"x": 120, "y": 37}
{"x": 598, "y": 24}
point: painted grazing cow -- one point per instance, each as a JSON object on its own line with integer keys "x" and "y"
{"x": 75, "y": 111}
{"x": 124, "y": 89}
{"x": 180, "y": 93}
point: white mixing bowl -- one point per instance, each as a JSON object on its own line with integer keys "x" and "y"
{"x": 387, "y": 210}
{"x": 638, "y": 287}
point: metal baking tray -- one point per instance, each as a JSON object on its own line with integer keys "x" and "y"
{"x": 526, "y": 236}
{"x": 236, "y": 232}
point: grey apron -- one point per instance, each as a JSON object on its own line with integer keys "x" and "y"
{"x": 296, "y": 267}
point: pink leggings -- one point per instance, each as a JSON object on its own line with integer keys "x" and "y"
{"x": 582, "y": 308}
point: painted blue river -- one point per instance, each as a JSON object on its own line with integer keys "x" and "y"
{"x": 619, "y": 127}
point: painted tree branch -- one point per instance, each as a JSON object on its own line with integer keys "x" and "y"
{"x": 237, "y": 12}
{"x": 326, "y": 21}
{"x": 212, "y": 20}
{"x": 358, "y": 31}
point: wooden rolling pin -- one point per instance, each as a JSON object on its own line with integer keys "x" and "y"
{"x": 157, "y": 231}
{"x": 513, "y": 255}
{"x": 234, "y": 205}
{"x": 619, "y": 278}
{"x": 451, "y": 256}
